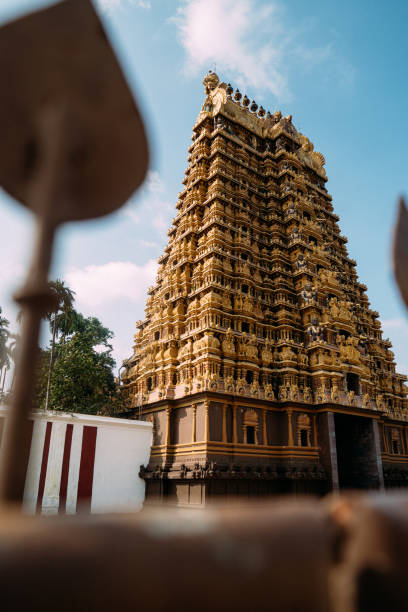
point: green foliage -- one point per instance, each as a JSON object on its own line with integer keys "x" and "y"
{"x": 4, "y": 338}
{"x": 82, "y": 378}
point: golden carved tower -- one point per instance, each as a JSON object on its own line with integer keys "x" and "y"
{"x": 259, "y": 361}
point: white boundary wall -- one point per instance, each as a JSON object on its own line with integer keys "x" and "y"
{"x": 85, "y": 460}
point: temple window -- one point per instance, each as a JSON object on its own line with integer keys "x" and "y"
{"x": 303, "y": 430}
{"x": 353, "y": 383}
{"x": 250, "y": 426}
{"x": 250, "y": 434}
{"x": 157, "y": 335}
{"x": 395, "y": 441}
{"x": 249, "y": 377}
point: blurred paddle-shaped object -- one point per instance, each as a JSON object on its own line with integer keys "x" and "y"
{"x": 73, "y": 147}
{"x": 400, "y": 250}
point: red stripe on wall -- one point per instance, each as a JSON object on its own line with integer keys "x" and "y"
{"x": 44, "y": 465}
{"x": 26, "y": 444}
{"x": 86, "y": 467}
{"x": 65, "y": 468}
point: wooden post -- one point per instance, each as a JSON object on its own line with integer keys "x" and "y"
{"x": 224, "y": 423}
{"x": 194, "y": 425}
{"x": 290, "y": 429}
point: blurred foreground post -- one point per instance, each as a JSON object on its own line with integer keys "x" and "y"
{"x": 400, "y": 251}
{"x": 73, "y": 147}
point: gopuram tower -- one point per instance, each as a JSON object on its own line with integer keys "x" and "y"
{"x": 260, "y": 362}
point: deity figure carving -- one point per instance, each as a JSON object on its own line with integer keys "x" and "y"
{"x": 334, "y": 309}
{"x": 366, "y": 400}
{"x": 321, "y": 394}
{"x": 247, "y": 305}
{"x": 295, "y": 234}
{"x": 269, "y": 394}
{"x": 228, "y": 345}
{"x": 349, "y": 352}
{"x": 302, "y": 358}
{"x": 351, "y": 398}
{"x": 238, "y": 302}
{"x": 307, "y": 395}
{"x": 294, "y": 392}
{"x": 287, "y": 354}
{"x": 344, "y": 312}
{"x": 301, "y": 262}
{"x": 380, "y": 402}
{"x": 210, "y": 342}
{"x": 315, "y": 331}
{"x": 240, "y": 385}
{"x": 254, "y": 388}
{"x": 266, "y": 354}
{"x": 180, "y": 308}
{"x": 308, "y": 294}
{"x": 172, "y": 351}
{"x": 251, "y": 349}
{"x": 226, "y": 301}
{"x": 291, "y": 209}
{"x": 284, "y": 393}
{"x": 229, "y": 384}
{"x": 334, "y": 393}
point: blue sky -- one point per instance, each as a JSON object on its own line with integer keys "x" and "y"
{"x": 338, "y": 68}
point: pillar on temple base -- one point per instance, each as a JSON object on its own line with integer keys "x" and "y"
{"x": 290, "y": 427}
{"x": 234, "y": 424}
{"x": 194, "y": 424}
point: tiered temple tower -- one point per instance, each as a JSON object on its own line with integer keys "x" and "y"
{"x": 260, "y": 362}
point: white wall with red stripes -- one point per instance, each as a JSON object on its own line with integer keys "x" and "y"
{"x": 87, "y": 463}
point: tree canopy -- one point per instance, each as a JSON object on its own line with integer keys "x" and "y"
{"x": 82, "y": 378}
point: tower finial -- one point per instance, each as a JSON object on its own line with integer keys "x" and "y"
{"x": 210, "y": 81}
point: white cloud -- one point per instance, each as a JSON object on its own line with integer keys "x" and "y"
{"x": 149, "y": 245}
{"x": 115, "y": 293}
{"x": 227, "y": 32}
{"x": 397, "y": 323}
{"x": 154, "y": 184}
{"x": 117, "y": 280}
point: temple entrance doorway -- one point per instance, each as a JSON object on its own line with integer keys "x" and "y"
{"x": 357, "y": 460}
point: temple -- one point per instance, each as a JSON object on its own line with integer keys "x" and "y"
{"x": 260, "y": 362}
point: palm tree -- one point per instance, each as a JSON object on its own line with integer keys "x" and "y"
{"x": 4, "y": 354}
{"x": 11, "y": 352}
{"x": 60, "y": 321}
